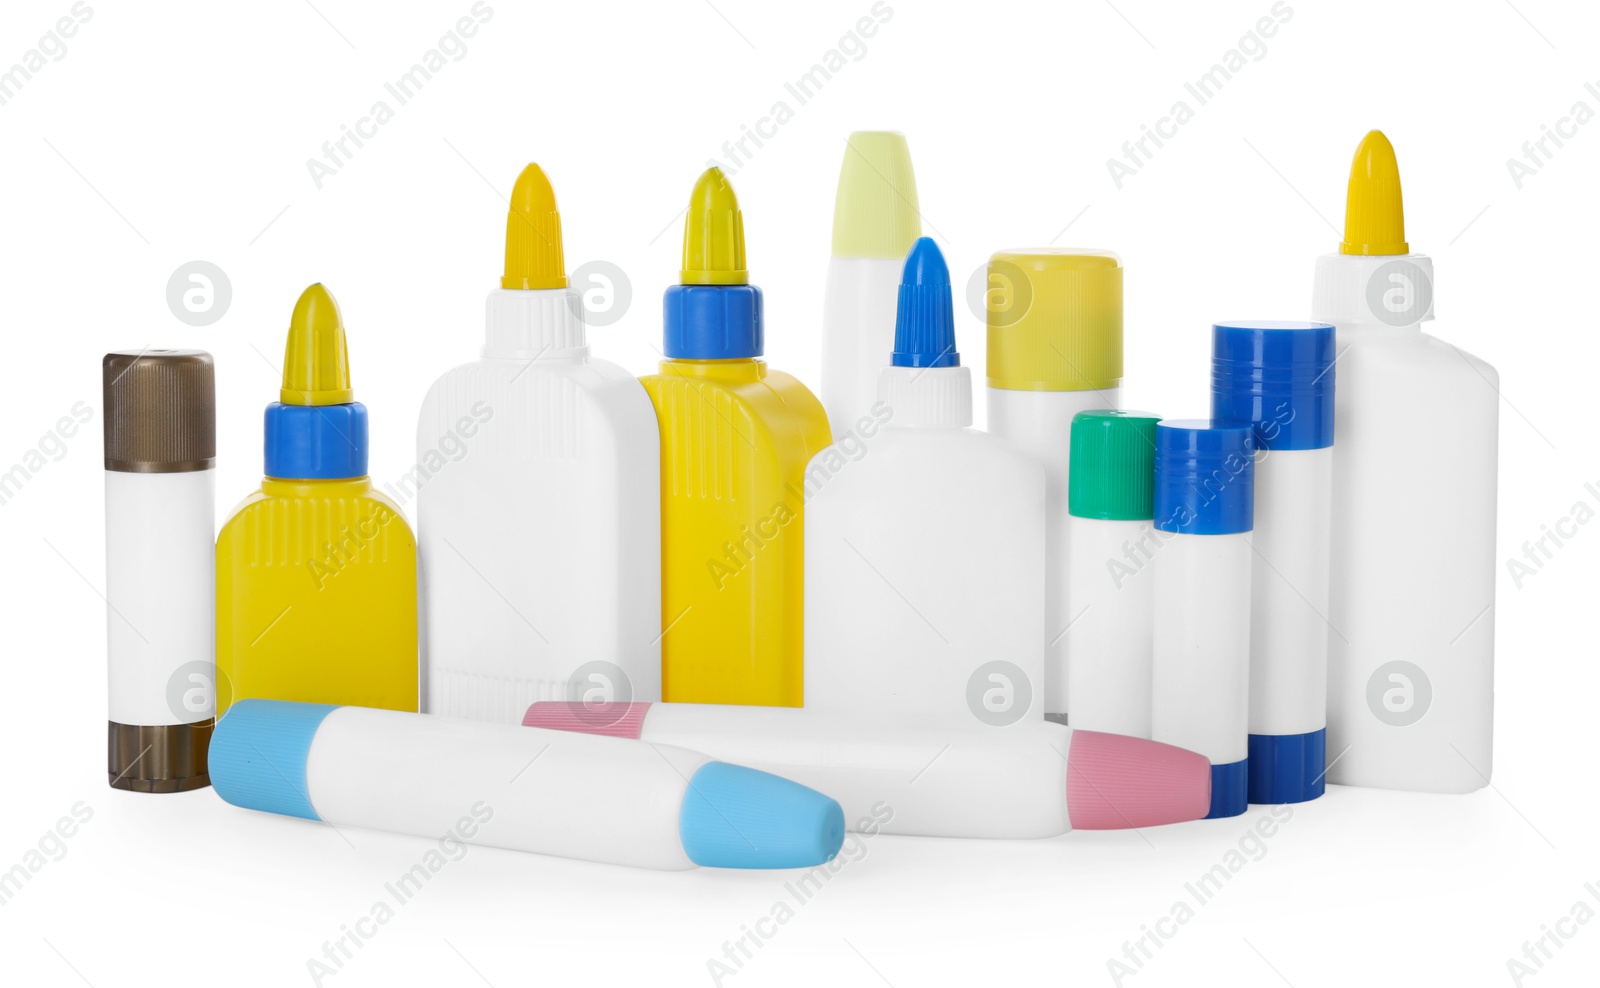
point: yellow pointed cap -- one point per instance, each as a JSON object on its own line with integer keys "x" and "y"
{"x": 1055, "y": 320}
{"x": 316, "y": 363}
{"x": 1374, "y": 217}
{"x": 875, "y": 212}
{"x": 713, "y": 234}
{"x": 533, "y": 235}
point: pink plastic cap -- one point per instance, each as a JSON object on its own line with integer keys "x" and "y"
{"x": 1117, "y": 783}
{"x": 614, "y": 720}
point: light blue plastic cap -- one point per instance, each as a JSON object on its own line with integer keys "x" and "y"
{"x": 737, "y": 817}
{"x": 258, "y": 755}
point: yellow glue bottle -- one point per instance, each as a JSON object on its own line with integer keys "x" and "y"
{"x": 316, "y": 571}
{"x": 735, "y": 441}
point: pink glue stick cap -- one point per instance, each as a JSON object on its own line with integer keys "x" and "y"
{"x": 614, "y": 720}
{"x": 1117, "y": 783}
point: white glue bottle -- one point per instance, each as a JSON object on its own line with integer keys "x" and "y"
{"x": 875, "y": 221}
{"x": 1411, "y": 594}
{"x": 539, "y": 502}
{"x": 1105, "y": 682}
{"x": 1200, "y": 682}
{"x": 1278, "y": 378}
{"x": 924, "y": 547}
{"x": 1055, "y": 349}
{"x": 160, "y": 449}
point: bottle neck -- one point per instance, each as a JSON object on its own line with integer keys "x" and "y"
{"x": 543, "y": 324}
{"x": 927, "y": 397}
{"x": 284, "y": 487}
{"x": 1383, "y": 292}
{"x": 737, "y": 370}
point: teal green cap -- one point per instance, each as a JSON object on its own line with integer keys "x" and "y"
{"x": 1112, "y": 473}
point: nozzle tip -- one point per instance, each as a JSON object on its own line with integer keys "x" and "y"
{"x": 713, "y": 234}
{"x": 875, "y": 212}
{"x": 316, "y": 361}
{"x": 1374, "y": 216}
{"x": 925, "y": 323}
{"x": 534, "y": 258}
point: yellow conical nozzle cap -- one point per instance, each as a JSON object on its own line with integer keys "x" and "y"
{"x": 533, "y": 235}
{"x": 316, "y": 363}
{"x": 1374, "y": 217}
{"x": 713, "y": 234}
{"x": 875, "y": 210}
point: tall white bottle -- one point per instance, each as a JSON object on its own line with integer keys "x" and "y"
{"x": 1411, "y": 595}
{"x": 1200, "y": 676}
{"x": 875, "y": 221}
{"x": 925, "y": 541}
{"x": 1055, "y": 349}
{"x": 539, "y": 510}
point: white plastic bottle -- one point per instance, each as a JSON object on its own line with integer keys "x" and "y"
{"x": 927, "y": 776}
{"x": 1278, "y": 377}
{"x": 538, "y": 476}
{"x": 925, "y": 541}
{"x": 501, "y": 785}
{"x": 1411, "y": 598}
{"x": 160, "y": 449}
{"x": 1055, "y": 349}
{"x": 1110, "y": 590}
{"x": 875, "y": 221}
{"x": 1200, "y": 682}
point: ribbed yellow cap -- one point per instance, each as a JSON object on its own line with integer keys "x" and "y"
{"x": 316, "y": 363}
{"x": 1055, "y": 320}
{"x": 713, "y": 234}
{"x": 875, "y": 212}
{"x": 1374, "y": 217}
{"x": 533, "y": 235}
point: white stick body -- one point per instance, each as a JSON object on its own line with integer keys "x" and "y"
{"x": 549, "y": 792}
{"x": 1289, "y": 596}
{"x": 540, "y": 536}
{"x": 1411, "y": 598}
{"x": 933, "y": 777}
{"x": 858, "y": 315}
{"x": 1101, "y": 679}
{"x": 1040, "y": 423}
{"x": 1201, "y": 645}
{"x": 160, "y": 596}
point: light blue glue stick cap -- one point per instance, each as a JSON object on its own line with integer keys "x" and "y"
{"x": 736, "y": 817}
{"x": 258, "y": 755}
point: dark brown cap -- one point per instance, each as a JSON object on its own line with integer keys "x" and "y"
{"x": 160, "y": 411}
{"x": 170, "y": 758}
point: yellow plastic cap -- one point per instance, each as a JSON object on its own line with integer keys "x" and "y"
{"x": 1374, "y": 217}
{"x": 1055, "y": 320}
{"x": 875, "y": 212}
{"x": 533, "y": 235}
{"x": 713, "y": 234}
{"x": 316, "y": 363}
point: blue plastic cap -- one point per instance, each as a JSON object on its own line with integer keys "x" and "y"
{"x": 1288, "y": 768}
{"x": 925, "y": 321}
{"x": 713, "y": 322}
{"x": 737, "y": 817}
{"x": 1230, "y": 787}
{"x": 1278, "y": 376}
{"x": 316, "y": 442}
{"x": 1205, "y": 477}
{"x": 258, "y": 755}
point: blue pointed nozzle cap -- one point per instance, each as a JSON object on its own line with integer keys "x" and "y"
{"x": 925, "y": 322}
{"x": 737, "y": 817}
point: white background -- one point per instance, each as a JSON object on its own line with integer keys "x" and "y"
{"x": 180, "y": 131}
